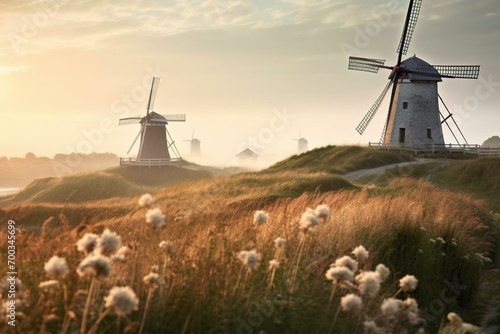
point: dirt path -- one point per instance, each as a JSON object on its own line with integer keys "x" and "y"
{"x": 357, "y": 175}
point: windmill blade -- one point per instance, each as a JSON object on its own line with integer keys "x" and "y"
{"x": 458, "y": 71}
{"x": 369, "y": 115}
{"x": 365, "y": 64}
{"x": 152, "y": 94}
{"x": 175, "y": 117}
{"x": 411, "y": 22}
{"x": 133, "y": 143}
{"x": 130, "y": 120}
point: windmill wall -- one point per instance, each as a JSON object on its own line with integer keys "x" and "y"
{"x": 154, "y": 143}
{"x": 415, "y": 118}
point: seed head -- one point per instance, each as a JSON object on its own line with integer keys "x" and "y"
{"x": 279, "y": 242}
{"x": 339, "y": 274}
{"x": 95, "y": 265}
{"x": 346, "y": 261}
{"x": 87, "y": 243}
{"x": 155, "y": 217}
{"x": 360, "y": 253}
{"x": 122, "y": 299}
{"x": 351, "y": 303}
{"x": 323, "y": 212}
{"x": 369, "y": 283}
{"x": 251, "y": 259}
{"x": 260, "y": 217}
{"x": 152, "y": 279}
{"x": 308, "y": 220}
{"x": 383, "y": 271}
{"x": 408, "y": 283}
{"x": 108, "y": 243}
{"x": 56, "y": 267}
{"x": 146, "y": 200}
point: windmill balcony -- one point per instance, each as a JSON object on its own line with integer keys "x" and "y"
{"x": 172, "y": 162}
{"x": 439, "y": 148}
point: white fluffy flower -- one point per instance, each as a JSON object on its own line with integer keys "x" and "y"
{"x": 121, "y": 254}
{"x": 56, "y": 267}
{"x": 360, "y": 253}
{"x": 251, "y": 259}
{"x": 279, "y": 242}
{"x": 260, "y": 217}
{"x": 168, "y": 247}
{"x": 95, "y": 265}
{"x": 351, "y": 303}
{"x": 152, "y": 279}
{"x": 383, "y": 271}
{"x": 323, "y": 212}
{"x": 108, "y": 243}
{"x": 346, "y": 261}
{"x": 87, "y": 243}
{"x": 155, "y": 217}
{"x": 146, "y": 200}
{"x": 308, "y": 220}
{"x": 408, "y": 283}
{"x": 122, "y": 299}
{"x": 339, "y": 274}
{"x": 369, "y": 283}
{"x": 391, "y": 307}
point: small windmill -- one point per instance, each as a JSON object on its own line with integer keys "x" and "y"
{"x": 195, "y": 144}
{"x": 414, "y": 117}
{"x": 156, "y": 142}
{"x": 302, "y": 144}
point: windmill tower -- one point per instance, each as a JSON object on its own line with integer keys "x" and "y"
{"x": 414, "y": 118}
{"x": 195, "y": 143}
{"x": 302, "y": 144}
{"x": 156, "y": 145}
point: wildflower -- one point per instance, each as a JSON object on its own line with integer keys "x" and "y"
{"x": 87, "y": 243}
{"x": 279, "y": 242}
{"x": 453, "y": 241}
{"x": 155, "y": 217}
{"x": 260, "y": 217}
{"x": 391, "y": 307}
{"x": 308, "y": 220}
{"x": 483, "y": 258}
{"x": 49, "y": 284}
{"x": 423, "y": 228}
{"x": 56, "y": 267}
{"x": 351, "y": 303}
{"x": 346, "y": 261}
{"x": 441, "y": 240}
{"x": 168, "y": 247}
{"x": 420, "y": 251}
{"x": 121, "y": 254}
{"x": 95, "y": 265}
{"x": 152, "y": 279}
{"x": 108, "y": 243}
{"x": 360, "y": 253}
{"x": 432, "y": 240}
{"x": 146, "y": 200}
{"x": 408, "y": 283}
{"x": 251, "y": 259}
{"x": 273, "y": 264}
{"x": 383, "y": 272}
{"x": 455, "y": 319}
{"x": 370, "y": 326}
{"x": 323, "y": 212}
{"x": 369, "y": 283}
{"x": 411, "y": 307}
{"x": 339, "y": 274}
{"x": 123, "y": 299}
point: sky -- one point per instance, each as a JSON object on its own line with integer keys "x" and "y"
{"x": 255, "y": 74}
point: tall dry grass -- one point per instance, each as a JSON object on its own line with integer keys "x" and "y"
{"x": 206, "y": 288}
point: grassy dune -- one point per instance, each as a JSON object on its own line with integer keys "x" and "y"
{"x": 206, "y": 289}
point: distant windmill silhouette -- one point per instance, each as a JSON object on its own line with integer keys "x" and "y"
{"x": 302, "y": 144}
{"x": 155, "y": 138}
{"x": 195, "y": 149}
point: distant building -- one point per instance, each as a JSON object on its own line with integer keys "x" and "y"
{"x": 247, "y": 155}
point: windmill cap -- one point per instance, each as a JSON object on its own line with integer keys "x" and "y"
{"x": 155, "y": 118}
{"x": 418, "y": 65}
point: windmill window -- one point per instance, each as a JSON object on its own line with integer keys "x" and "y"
{"x": 405, "y": 105}
{"x": 429, "y": 133}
